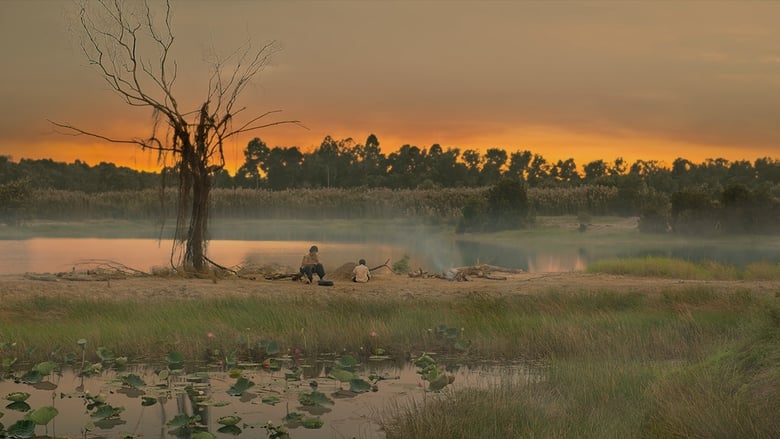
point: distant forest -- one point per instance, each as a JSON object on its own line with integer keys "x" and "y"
{"x": 714, "y": 196}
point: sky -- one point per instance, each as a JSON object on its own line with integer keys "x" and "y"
{"x": 589, "y": 80}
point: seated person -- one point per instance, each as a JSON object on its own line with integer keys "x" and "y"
{"x": 311, "y": 264}
{"x": 361, "y": 273}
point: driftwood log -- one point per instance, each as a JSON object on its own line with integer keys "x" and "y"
{"x": 462, "y": 274}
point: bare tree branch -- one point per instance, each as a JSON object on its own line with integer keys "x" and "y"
{"x": 133, "y": 53}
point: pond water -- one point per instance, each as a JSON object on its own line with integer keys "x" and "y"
{"x": 148, "y": 404}
{"x": 54, "y": 255}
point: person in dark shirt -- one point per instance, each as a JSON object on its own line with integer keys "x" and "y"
{"x": 311, "y": 265}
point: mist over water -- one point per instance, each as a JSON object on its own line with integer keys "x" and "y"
{"x": 429, "y": 252}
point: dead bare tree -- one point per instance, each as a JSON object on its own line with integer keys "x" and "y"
{"x": 130, "y": 46}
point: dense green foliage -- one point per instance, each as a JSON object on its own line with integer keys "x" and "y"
{"x": 490, "y": 191}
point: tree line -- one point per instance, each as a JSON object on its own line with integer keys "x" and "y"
{"x": 713, "y": 196}
{"x": 347, "y": 164}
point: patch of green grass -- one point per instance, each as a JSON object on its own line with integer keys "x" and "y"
{"x": 664, "y": 267}
{"x": 726, "y": 388}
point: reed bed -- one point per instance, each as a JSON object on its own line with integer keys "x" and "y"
{"x": 442, "y": 205}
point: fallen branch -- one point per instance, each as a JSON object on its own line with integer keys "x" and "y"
{"x": 383, "y": 265}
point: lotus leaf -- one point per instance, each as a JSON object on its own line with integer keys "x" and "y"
{"x": 229, "y": 429}
{"x": 69, "y": 358}
{"x": 106, "y": 411}
{"x": 293, "y": 416}
{"x": 147, "y": 401}
{"x": 105, "y": 355}
{"x": 19, "y": 406}
{"x": 271, "y": 400}
{"x": 424, "y": 361}
{"x": 292, "y": 374}
{"x": 175, "y": 360}
{"x": 359, "y": 385}
{"x": 8, "y": 362}
{"x": 342, "y": 375}
{"x": 45, "y": 368}
{"x": 22, "y": 429}
{"x": 229, "y": 420}
{"x": 346, "y": 362}
{"x": 312, "y": 423}
{"x": 17, "y": 396}
{"x": 42, "y": 415}
{"x": 31, "y": 377}
{"x": 99, "y": 398}
{"x": 314, "y": 398}
{"x": 133, "y": 381}
{"x": 183, "y": 420}
{"x": 241, "y": 385}
{"x": 82, "y": 342}
{"x": 109, "y": 423}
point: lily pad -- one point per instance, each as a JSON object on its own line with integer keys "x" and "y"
{"x": 175, "y": 360}
{"x": 346, "y": 362}
{"x": 105, "y": 354}
{"x": 293, "y": 416}
{"x": 31, "y": 377}
{"x": 230, "y": 429}
{"x": 42, "y": 415}
{"x": 183, "y": 420}
{"x": 312, "y": 423}
{"x": 342, "y": 375}
{"x": 229, "y": 420}
{"x": 107, "y": 411}
{"x": 133, "y": 381}
{"x": 17, "y": 396}
{"x": 45, "y": 368}
{"x": 22, "y": 429}
{"x": 271, "y": 400}
{"x": 240, "y": 386}
{"x": 19, "y": 406}
{"x": 314, "y": 398}
{"x": 359, "y": 385}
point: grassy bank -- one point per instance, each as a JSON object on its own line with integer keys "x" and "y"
{"x": 654, "y": 266}
{"x": 697, "y": 362}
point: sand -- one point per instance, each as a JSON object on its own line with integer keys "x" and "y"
{"x": 383, "y": 284}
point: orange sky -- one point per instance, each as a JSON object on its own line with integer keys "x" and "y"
{"x": 587, "y": 80}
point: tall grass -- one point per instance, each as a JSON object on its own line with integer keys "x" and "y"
{"x": 696, "y": 362}
{"x": 655, "y": 266}
{"x": 710, "y": 371}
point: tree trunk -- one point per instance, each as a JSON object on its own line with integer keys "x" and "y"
{"x": 196, "y": 238}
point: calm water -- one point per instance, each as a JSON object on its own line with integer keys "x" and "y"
{"x": 47, "y": 255}
{"x": 350, "y": 415}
